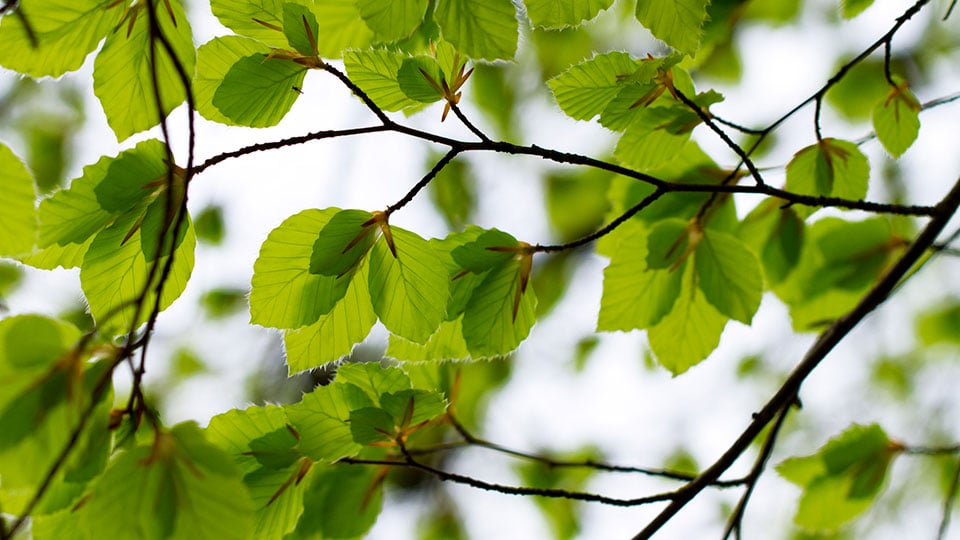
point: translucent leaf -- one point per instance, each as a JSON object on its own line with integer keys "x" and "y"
{"x": 180, "y": 487}
{"x": 321, "y": 419}
{"x": 18, "y": 215}
{"x": 646, "y": 145}
{"x": 634, "y": 295}
{"x": 477, "y": 256}
{"x": 392, "y": 19}
{"x": 939, "y": 325}
{"x": 667, "y": 244}
{"x": 897, "y": 120}
{"x": 776, "y": 234}
{"x": 481, "y": 29}
{"x": 258, "y": 91}
{"x": 300, "y": 27}
{"x": 489, "y": 325}
{"x": 561, "y": 13}
{"x": 342, "y": 242}
{"x": 278, "y": 497}
{"x": 831, "y": 167}
{"x": 679, "y": 24}
{"x": 454, "y": 193}
{"x": 210, "y": 226}
{"x": 409, "y": 289}
{"x": 413, "y": 405}
{"x": 375, "y": 72}
{"x": 242, "y": 17}
{"x": 342, "y": 501}
{"x": 334, "y": 334}
{"x": 123, "y": 76}
{"x": 852, "y": 8}
{"x": 49, "y": 258}
{"x": 214, "y": 60}
{"x": 371, "y": 425}
{"x": 284, "y": 294}
{"x": 235, "y": 430}
{"x": 729, "y": 275}
{"x": 690, "y": 332}
{"x": 373, "y": 379}
{"x": 114, "y": 274}
{"x": 584, "y": 90}
{"x": 66, "y": 31}
{"x": 842, "y": 479}
{"x": 339, "y": 27}
{"x": 414, "y": 84}
{"x": 445, "y": 344}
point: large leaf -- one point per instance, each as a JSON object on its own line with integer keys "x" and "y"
{"x": 690, "y": 332}
{"x": 342, "y": 243}
{"x": 729, "y": 275}
{"x": 647, "y": 144}
{"x": 584, "y": 90}
{"x": 678, "y": 23}
{"x": 561, "y": 13}
{"x": 123, "y": 77}
{"x": 392, "y": 19}
{"x": 342, "y": 501}
{"x": 235, "y": 431}
{"x": 258, "y": 91}
{"x": 491, "y": 327}
{"x": 373, "y": 379}
{"x": 375, "y": 72}
{"x": 283, "y": 292}
{"x": 445, "y": 344}
{"x": 409, "y": 288}
{"x": 842, "y": 479}
{"x": 482, "y": 29}
{"x": 635, "y": 296}
{"x": 18, "y": 215}
{"x": 245, "y": 17}
{"x": 115, "y": 271}
{"x": 321, "y": 419}
{"x": 335, "y": 333}
{"x": 66, "y": 31}
{"x": 214, "y": 60}
{"x": 181, "y": 487}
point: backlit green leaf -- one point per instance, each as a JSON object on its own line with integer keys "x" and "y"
{"x": 729, "y": 275}
{"x": 414, "y": 406}
{"x": 646, "y": 145}
{"x": 335, "y": 333}
{"x": 584, "y": 90}
{"x": 561, "y": 13}
{"x": 242, "y": 17}
{"x": 852, "y": 8}
{"x": 689, "y": 332}
{"x": 258, "y": 91}
{"x": 413, "y": 82}
{"x": 214, "y": 60}
{"x": 342, "y": 501}
{"x": 321, "y": 419}
{"x": 897, "y": 120}
{"x": 477, "y": 256}
{"x": 18, "y": 215}
{"x": 679, "y": 23}
{"x": 445, "y": 344}
{"x": 300, "y": 27}
{"x": 235, "y": 430}
{"x": 371, "y": 425}
{"x": 410, "y": 289}
{"x": 482, "y": 29}
{"x": 283, "y": 293}
{"x": 832, "y": 167}
{"x": 123, "y": 77}
{"x": 66, "y": 30}
{"x": 392, "y": 19}
{"x": 635, "y": 296}
{"x": 375, "y": 72}
{"x": 373, "y": 379}
{"x": 342, "y": 243}
{"x": 489, "y": 325}
{"x": 938, "y": 325}
{"x": 339, "y": 27}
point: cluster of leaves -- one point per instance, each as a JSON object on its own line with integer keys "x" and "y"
{"x": 682, "y": 263}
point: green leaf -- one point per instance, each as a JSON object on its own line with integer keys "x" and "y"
{"x": 235, "y": 431}
{"x": 342, "y": 243}
{"x": 938, "y": 325}
{"x": 335, "y": 333}
{"x": 584, "y": 90}
{"x": 392, "y": 19}
{"x": 181, "y": 487}
{"x": 477, "y": 256}
{"x": 635, "y": 296}
{"x": 342, "y": 501}
{"x": 373, "y": 379}
{"x": 454, "y": 192}
{"x": 210, "y": 226}
{"x": 214, "y": 60}
{"x": 375, "y": 72}
{"x": 114, "y": 274}
{"x": 729, "y": 275}
{"x": 562, "y": 13}
{"x": 489, "y": 325}
{"x": 409, "y": 289}
{"x": 340, "y": 27}
{"x": 777, "y": 234}
{"x": 852, "y": 8}
{"x": 321, "y": 419}
{"x": 413, "y": 82}
{"x": 371, "y": 425}
{"x": 278, "y": 497}
{"x": 283, "y": 293}
{"x": 66, "y": 31}
{"x": 413, "y": 405}
{"x": 18, "y": 215}
{"x": 690, "y": 332}
{"x": 897, "y": 120}
{"x": 831, "y": 167}
{"x": 445, "y": 344}
{"x": 842, "y": 479}
{"x": 668, "y": 244}
{"x": 646, "y": 145}
{"x": 300, "y": 27}
{"x": 481, "y": 29}
{"x": 258, "y": 91}
{"x": 241, "y": 16}
{"x": 123, "y": 76}
{"x": 577, "y": 203}
{"x": 679, "y": 24}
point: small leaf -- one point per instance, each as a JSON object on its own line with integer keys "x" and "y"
{"x": 259, "y": 19}
{"x": 321, "y": 419}
{"x": 420, "y": 79}
{"x": 729, "y": 275}
{"x": 342, "y": 501}
{"x": 411, "y": 407}
{"x": 478, "y": 256}
{"x": 342, "y": 243}
{"x": 897, "y": 120}
{"x": 215, "y": 58}
{"x": 491, "y": 326}
{"x": 831, "y": 167}
{"x": 300, "y": 27}
{"x": 852, "y": 8}
{"x": 373, "y": 379}
{"x": 371, "y": 425}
